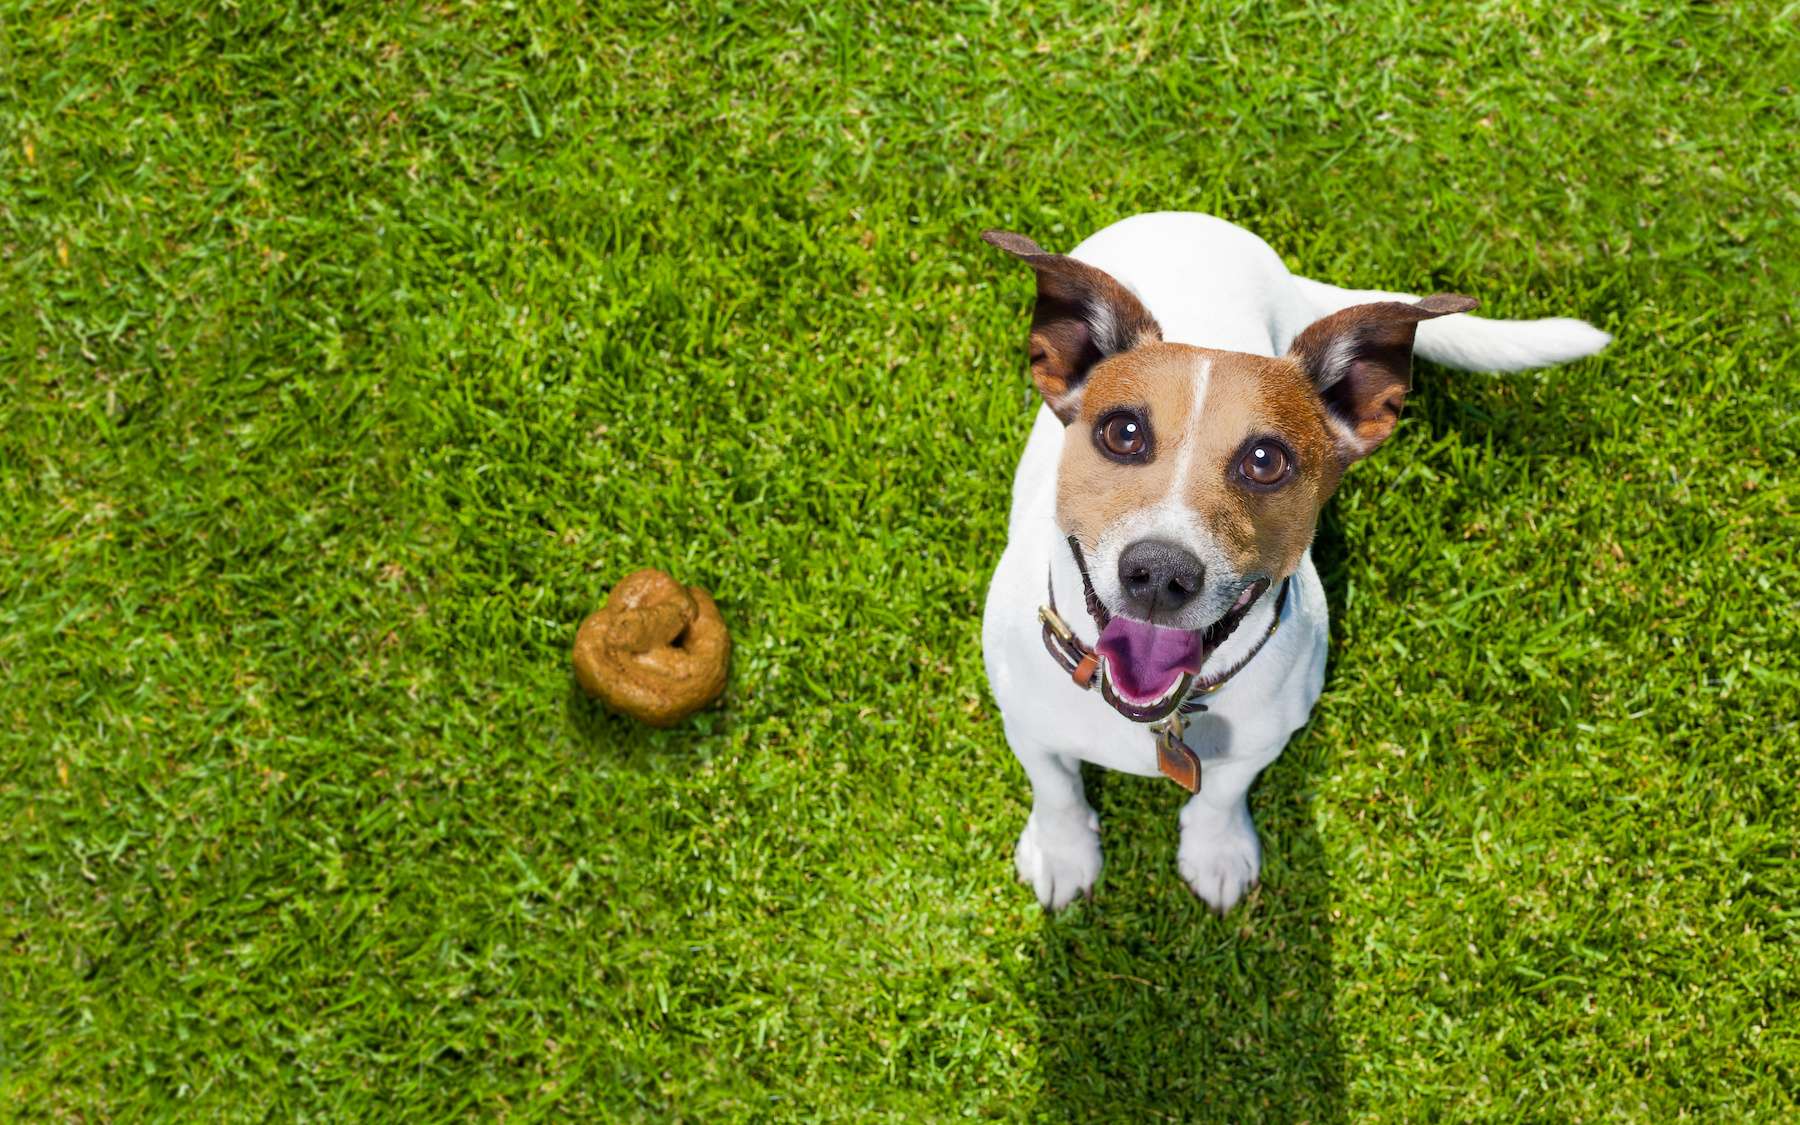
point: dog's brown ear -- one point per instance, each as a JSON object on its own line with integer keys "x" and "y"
{"x": 1083, "y": 315}
{"x": 1360, "y": 359}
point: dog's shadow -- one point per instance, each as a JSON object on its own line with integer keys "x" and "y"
{"x": 1152, "y": 1008}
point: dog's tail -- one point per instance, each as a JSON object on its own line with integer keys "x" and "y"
{"x": 1473, "y": 343}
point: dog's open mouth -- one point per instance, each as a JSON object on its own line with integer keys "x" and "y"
{"x": 1146, "y": 670}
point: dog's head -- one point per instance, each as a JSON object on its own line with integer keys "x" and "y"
{"x": 1192, "y": 479}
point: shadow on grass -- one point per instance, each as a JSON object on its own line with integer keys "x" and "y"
{"x": 610, "y": 740}
{"x": 1154, "y": 1009}
{"x": 1507, "y": 410}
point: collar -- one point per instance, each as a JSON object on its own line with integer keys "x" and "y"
{"x": 1174, "y": 757}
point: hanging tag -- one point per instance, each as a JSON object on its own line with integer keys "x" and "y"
{"x": 1177, "y": 761}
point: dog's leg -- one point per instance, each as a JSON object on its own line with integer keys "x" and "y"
{"x": 1059, "y": 851}
{"x": 1220, "y": 855}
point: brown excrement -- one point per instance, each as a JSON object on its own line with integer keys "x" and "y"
{"x": 656, "y": 650}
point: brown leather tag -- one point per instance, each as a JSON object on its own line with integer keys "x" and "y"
{"x": 1084, "y": 671}
{"x": 1177, "y": 762}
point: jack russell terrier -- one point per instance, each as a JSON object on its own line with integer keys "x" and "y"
{"x": 1200, "y": 405}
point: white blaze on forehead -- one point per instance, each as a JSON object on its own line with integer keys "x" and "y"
{"x": 1190, "y": 436}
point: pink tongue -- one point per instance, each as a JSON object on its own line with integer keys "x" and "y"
{"x": 1145, "y": 660}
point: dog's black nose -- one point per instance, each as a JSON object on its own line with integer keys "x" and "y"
{"x": 1158, "y": 577}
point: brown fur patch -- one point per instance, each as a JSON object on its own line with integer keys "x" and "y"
{"x": 1093, "y": 492}
{"x": 1264, "y": 532}
{"x": 1332, "y": 399}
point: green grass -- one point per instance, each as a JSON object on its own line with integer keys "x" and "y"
{"x": 349, "y": 359}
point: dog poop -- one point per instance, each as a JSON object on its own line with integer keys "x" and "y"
{"x": 656, "y": 651}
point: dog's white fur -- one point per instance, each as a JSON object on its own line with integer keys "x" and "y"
{"x": 1211, "y": 284}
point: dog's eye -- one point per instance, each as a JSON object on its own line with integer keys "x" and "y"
{"x": 1265, "y": 463}
{"x": 1123, "y": 435}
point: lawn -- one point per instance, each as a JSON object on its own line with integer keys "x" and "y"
{"x": 348, "y": 359}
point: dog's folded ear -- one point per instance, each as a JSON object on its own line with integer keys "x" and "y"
{"x": 1083, "y": 315}
{"x": 1360, "y": 359}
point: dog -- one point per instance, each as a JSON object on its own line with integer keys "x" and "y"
{"x": 1156, "y": 610}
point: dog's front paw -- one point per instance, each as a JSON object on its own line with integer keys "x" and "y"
{"x": 1220, "y": 855}
{"x": 1061, "y": 860}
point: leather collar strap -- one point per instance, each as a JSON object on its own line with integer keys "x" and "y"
{"x": 1174, "y": 757}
